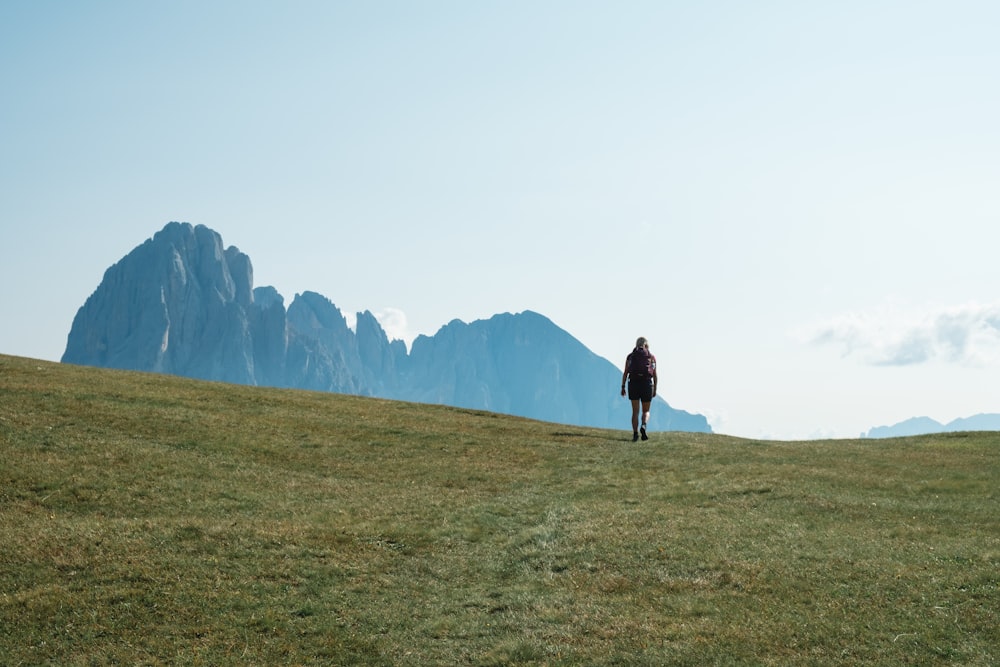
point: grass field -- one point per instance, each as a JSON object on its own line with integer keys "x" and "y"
{"x": 147, "y": 519}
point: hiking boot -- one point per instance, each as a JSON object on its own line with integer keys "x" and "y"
{"x": 643, "y": 431}
{"x": 635, "y": 436}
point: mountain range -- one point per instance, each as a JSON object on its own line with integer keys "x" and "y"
{"x": 182, "y": 303}
{"x": 925, "y": 425}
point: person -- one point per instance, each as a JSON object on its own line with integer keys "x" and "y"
{"x": 640, "y": 373}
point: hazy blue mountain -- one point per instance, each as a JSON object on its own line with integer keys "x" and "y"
{"x": 914, "y": 426}
{"x": 925, "y": 425}
{"x": 181, "y": 303}
{"x": 525, "y": 365}
{"x": 980, "y": 422}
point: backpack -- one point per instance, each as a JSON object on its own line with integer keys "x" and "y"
{"x": 640, "y": 363}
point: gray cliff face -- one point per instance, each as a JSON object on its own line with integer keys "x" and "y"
{"x": 176, "y": 304}
{"x": 382, "y": 361}
{"x": 525, "y": 365}
{"x": 270, "y": 337}
{"x": 322, "y": 350}
{"x": 517, "y": 364}
{"x": 181, "y": 303}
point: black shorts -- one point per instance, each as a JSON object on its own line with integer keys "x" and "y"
{"x": 640, "y": 389}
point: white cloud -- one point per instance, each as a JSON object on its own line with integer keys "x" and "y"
{"x": 395, "y": 324}
{"x": 968, "y": 334}
{"x": 718, "y": 420}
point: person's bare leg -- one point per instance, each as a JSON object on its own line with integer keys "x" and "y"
{"x": 645, "y": 417}
{"x": 635, "y": 417}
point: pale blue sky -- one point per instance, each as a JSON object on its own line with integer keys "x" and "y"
{"x": 796, "y": 202}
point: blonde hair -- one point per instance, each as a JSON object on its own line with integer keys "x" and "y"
{"x": 641, "y": 342}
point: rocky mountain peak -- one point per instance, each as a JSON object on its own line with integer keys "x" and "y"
{"x": 183, "y": 303}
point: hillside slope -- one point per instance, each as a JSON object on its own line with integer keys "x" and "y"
{"x": 152, "y": 519}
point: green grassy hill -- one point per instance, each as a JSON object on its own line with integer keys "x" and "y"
{"x": 147, "y": 519}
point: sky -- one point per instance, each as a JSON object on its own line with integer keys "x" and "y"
{"x": 797, "y": 203}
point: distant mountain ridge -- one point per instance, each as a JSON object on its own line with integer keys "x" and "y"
{"x": 925, "y": 425}
{"x": 181, "y": 303}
